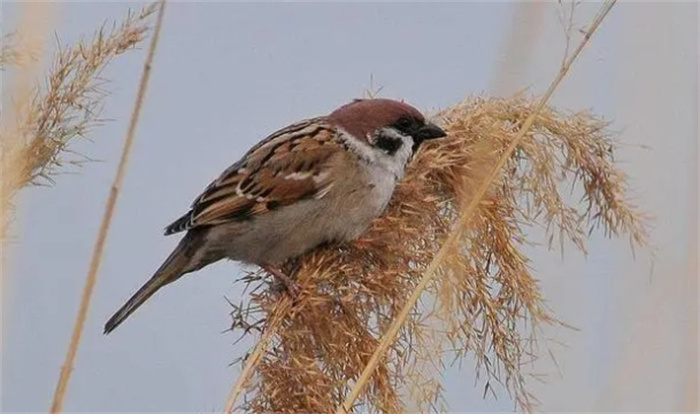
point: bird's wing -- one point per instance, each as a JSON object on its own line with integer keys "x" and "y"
{"x": 288, "y": 166}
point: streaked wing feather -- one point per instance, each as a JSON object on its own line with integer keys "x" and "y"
{"x": 284, "y": 168}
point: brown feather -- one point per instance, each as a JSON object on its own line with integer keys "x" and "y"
{"x": 262, "y": 180}
{"x": 281, "y": 170}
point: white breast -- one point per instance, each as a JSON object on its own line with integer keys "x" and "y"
{"x": 384, "y": 181}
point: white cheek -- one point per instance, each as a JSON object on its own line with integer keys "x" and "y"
{"x": 394, "y": 164}
{"x": 361, "y": 149}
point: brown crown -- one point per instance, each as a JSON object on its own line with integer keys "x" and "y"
{"x": 364, "y": 116}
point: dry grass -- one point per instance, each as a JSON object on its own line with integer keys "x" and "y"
{"x": 502, "y": 172}
{"x": 492, "y": 160}
{"x": 9, "y": 51}
{"x": 44, "y": 125}
{"x": 21, "y": 50}
{"x": 67, "y": 367}
{"x": 487, "y": 301}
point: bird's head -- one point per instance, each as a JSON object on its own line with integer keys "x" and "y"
{"x": 387, "y": 125}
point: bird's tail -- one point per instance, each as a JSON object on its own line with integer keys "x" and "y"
{"x": 180, "y": 262}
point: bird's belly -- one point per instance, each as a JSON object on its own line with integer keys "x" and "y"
{"x": 353, "y": 208}
{"x": 290, "y": 231}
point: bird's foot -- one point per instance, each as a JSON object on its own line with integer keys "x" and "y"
{"x": 287, "y": 281}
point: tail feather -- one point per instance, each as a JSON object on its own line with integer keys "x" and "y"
{"x": 180, "y": 262}
{"x": 139, "y": 298}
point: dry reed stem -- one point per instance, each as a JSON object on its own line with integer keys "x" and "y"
{"x": 460, "y": 228}
{"x": 67, "y": 368}
{"x": 489, "y": 295}
{"x": 39, "y": 123}
{"x": 47, "y": 120}
{"x": 518, "y": 48}
{"x": 487, "y": 302}
{"x": 252, "y": 360}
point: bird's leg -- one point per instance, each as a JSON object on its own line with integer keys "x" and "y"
{"x": 291, "y": 286}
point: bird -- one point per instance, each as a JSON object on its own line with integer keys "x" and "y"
{"x": 318, "y": 181}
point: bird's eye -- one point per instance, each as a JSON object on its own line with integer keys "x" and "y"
{"x": 403, "y": 122}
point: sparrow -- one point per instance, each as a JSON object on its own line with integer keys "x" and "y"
{"x": 318, "y": 181}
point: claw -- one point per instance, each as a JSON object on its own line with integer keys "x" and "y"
{"x": 291, "y": 285}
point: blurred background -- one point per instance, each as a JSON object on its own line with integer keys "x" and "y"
{"x": 227, "y": 74}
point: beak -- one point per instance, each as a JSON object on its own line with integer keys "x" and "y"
{"x": 429, "y": 131}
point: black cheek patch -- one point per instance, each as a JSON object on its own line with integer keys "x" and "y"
{"x": 388, "y": 144}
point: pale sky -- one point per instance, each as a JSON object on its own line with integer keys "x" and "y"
{"x": 227, "y": 74}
